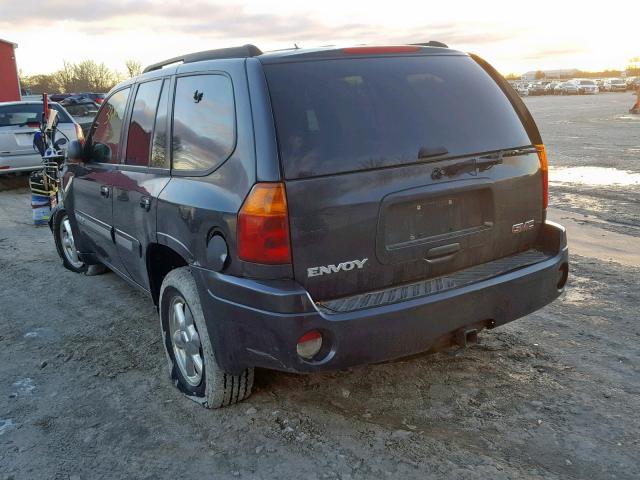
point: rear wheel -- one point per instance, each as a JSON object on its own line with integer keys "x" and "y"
{"x": 189, "y": 349}
{"x": 65, "y": 243}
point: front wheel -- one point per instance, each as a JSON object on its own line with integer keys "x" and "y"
{"x": 189, "y": 349}
{"x": 65, "y": 243}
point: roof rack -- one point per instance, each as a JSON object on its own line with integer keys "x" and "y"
{"x": 432, "y": 43}
{"x": 231, "y": 52}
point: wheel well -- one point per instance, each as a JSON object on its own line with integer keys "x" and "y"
{"x": 160, "y": 261}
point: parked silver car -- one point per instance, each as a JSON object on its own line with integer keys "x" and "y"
{"x": 586, "y": 87}
{"x": 568, "y": 88}
{"x": 19, "y": 121}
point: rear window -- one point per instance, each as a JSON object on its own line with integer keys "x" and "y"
{"x": 23, "y": 113}
{"x": 203, "y": 122}
{"x": 336, "y": 116}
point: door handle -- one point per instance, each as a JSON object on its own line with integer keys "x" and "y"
{"x": 104, "y": 191}
{"x": 145, "y": 202}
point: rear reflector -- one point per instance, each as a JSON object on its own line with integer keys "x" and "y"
{"x": 263, "y": 225}
{"x": 309, "y": 344}
{"x": 374, "y": 50}
{"x": 544, "y": 168}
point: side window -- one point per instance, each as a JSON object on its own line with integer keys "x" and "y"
{"x": 142, "y": 118}
{"x": 159, "y": 146}
{"x": 107, "y": 127}
{"x": 203, "y": 122}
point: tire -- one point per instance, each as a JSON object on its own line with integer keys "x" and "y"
{"x": 65, "y": 244}
{"x": 192, "y": 363}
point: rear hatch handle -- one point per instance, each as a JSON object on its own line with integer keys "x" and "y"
{"x": 442, "y": 254}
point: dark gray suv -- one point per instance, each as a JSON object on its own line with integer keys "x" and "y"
{"x": 309, "y": 210}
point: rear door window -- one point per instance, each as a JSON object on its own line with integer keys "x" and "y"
{"x": 107, "y": 127}
{"x": 337, "y": 116}
{"x": 203, "y": 122}
{"x": 159, "y": 158}
{"x": 141, "y": 126}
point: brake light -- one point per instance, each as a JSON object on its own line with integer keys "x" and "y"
{"x": 544, "y": 168}
{"x": 374, "y": 50}
{"x": 263, "y": 225}
{"x": 79, "y": 133}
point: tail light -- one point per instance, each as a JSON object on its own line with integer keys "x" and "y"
{"x": 544, "y": 168}
{"x": 263, "y": 225}
{"x": 79, "y": 133}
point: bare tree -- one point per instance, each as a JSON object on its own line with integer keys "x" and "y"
{"x": 64, "y": 79}
{"x": 134, "y": 67}
{"x": 86, "y": 76}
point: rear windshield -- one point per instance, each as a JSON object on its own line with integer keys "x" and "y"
{"x": 336, "y": 116}
{"x": 23, "y": 113}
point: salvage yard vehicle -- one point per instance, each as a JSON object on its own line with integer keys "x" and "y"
{"x": 615, "y": 85}
{"x": 569, "y": 88}
{"x": 523, "y": 89}
{"x": 314, "y": 209}
{"x": 19, "y": 122}
{"x": 537, "y": 88}
{"x": 549, "y": 88}
{"x": 586, "y": 87}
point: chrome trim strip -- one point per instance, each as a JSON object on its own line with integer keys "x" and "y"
{"x": 94, "y": 224}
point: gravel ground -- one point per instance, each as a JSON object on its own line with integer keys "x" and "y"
{"x": 556, "y": 395}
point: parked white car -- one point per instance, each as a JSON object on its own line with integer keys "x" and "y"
{"x": 523, "y": 89}
{"x": 615, "y": 85}
{"x": 19, "y": 121}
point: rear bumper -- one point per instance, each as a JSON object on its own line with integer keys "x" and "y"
{"x": 258, "y": 323}
{"x": 20, "y": 163}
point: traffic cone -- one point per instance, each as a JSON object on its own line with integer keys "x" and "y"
{"x": 636, "y": 107}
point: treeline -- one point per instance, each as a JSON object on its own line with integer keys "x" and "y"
{"x": 85, "y": 76}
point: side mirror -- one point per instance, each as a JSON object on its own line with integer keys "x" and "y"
{"x": 60, "y": 144}
{"x": 74, "y": 151}
{"x": 100, "y": 153}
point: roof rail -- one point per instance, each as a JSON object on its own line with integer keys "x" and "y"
{"x": 432, "y": 43}
{"x": 231, "y": 52}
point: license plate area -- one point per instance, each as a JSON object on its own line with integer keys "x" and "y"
{"x": 416, "y": 221}
{"x": 24, "y": 139}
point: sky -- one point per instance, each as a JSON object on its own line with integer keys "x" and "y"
{"x": 515, "y": 36}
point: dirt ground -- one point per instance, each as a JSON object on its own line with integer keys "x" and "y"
{"x": 84, "y": 393}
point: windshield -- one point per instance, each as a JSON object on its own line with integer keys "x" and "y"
{"x": 617, "y": 82}
{"x": 25, "y": 113}
{"x": 352, "y": 114}
{"x": 587, "y": 82}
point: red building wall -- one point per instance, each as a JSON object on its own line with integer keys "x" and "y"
{"x": 9, "y": 84}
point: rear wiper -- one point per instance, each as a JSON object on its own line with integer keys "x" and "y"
{"x": 431, "y": 152}
{"x": 484, "y": 162}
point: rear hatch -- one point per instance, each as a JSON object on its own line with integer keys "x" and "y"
{"x": 399, "y": 168}
{"x": 18, "y": 124}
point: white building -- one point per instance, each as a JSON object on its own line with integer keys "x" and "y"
{"x": 550, "y": 74}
